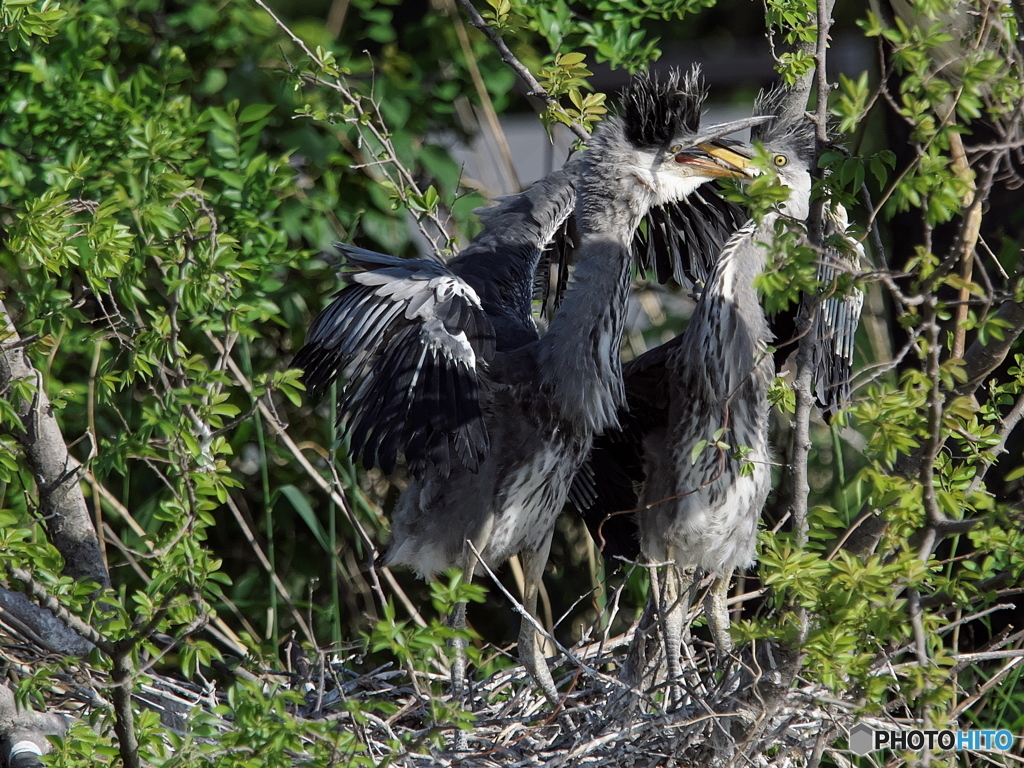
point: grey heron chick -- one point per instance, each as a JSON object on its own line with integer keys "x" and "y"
{"x": 700, "y": 504}
{"x": 445, "y": 368}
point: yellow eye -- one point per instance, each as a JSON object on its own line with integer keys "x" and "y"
{"x": 676, "y": 148}
{"x": 780, "y": 160}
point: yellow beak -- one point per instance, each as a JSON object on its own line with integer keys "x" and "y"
{"x": 731, "y": 162}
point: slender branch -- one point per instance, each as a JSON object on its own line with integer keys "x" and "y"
{"x": 375, "y": 127}
{"x": 278, "y": 429}
{"x": 821, "y": 107}
{"x": 123, "y": 675}
{"x": 936, "y": 403}
{"x": 265, "y": 564}
{"x": 40, "y": 626}
{"x": 535, "y": 88}
{"x": 526, "y": 616}
{"x": 971, "y": 233}
{"x": 982, "y": 359}
{"x": 802, "y": 384}
{"x": 487, "y": 106}
{"x": 1009, "y": 423}
{"x": 989, "y": 684}
{"x": 50, "y": 603}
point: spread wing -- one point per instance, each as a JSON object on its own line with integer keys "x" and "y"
{"x": 407, "y": 340}
{"x": 505, "y": 262}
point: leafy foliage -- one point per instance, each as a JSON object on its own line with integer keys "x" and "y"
{"x": 171, "y": 178}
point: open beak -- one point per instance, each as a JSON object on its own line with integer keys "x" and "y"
{"x": 717, "y": 156}
{"x": 734, "y": 158}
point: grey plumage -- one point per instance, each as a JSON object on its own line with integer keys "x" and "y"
{"x": 838, "y": 316}
{"x": 392, "y": 370}
{"x": 525, "y": 411}
{"x": 604, "y": 491}
{"x": 700, "y": 504}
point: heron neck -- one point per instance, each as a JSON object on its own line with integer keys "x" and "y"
{"x": 728, "y": 335}
{"x": 579, "y": 355}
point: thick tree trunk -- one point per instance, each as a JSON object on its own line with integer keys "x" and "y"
{"x": 61, "y": 503}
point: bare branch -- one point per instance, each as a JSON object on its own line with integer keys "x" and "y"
{"x": 804, "y": 356}
{"x": 982, "y": 359}
{"x": 1008, "y": 424}
{"x": 375, "y": 128}
{"x": 50, "y": 603}
{"x": 535, "y": 88}
{"x": 45, "y": 629}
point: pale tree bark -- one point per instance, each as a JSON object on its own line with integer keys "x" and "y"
{"x": 62, "y": 506}
{"x": 796, "y": 103}
{"x": 762, "y": 694}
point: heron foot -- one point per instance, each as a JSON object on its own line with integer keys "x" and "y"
{"x": 717, "y": 611}
{"x": 674, "y": 609}
{"x": 533, "y": 660}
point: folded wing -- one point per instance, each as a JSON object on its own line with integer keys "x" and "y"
{"x": 604, "y": 490}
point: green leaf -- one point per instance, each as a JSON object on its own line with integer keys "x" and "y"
{"x": 254, "y": 112}
{"x": 305, "y": 511}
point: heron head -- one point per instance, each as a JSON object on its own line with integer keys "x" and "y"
{"x": 784, "y": 145}
{"x": 662, "y": 133}
{"x": 651, "y": 154}
{"x": 659, "y": 109}
{"x": 699, "y": 156}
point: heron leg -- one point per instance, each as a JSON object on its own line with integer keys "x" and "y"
{"x": 457, "y": 621}
{"x": 531, "y": 651}
{"x": 675, "y": 607}
{"x": 644, "y": 664}
{"x": 717, "y": 611}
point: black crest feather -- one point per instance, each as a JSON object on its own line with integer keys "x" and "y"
{"x": 657, "y": 110}
{"x": 790, "y": 127}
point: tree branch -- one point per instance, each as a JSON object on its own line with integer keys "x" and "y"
{"x": 40, "y": 625}
{"x": 796, "y": 103}
{"x": 982, "y": 359}
{"x": 61, "y": 502}
{"x": 535, "y": 89}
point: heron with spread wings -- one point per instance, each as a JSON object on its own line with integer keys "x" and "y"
{"x": 442, "y": 363}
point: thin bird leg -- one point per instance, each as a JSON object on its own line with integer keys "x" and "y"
{"x": 675, "y": 607}
{"x": 717, "y": 611}
{"x": 644, "y": 664}
{"x": 530, "y": 649}
{"x": 457, "y": 621}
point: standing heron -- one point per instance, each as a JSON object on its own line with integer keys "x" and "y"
{"x": 696, "y": 431}
{"x": 443, "y": 363}
{"x": 605, "y": 491}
